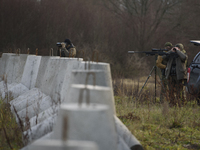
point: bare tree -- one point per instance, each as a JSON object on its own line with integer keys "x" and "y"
{"x": 144, "y": 17}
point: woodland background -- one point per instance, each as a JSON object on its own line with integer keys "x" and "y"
{"x": 113, "y": 27}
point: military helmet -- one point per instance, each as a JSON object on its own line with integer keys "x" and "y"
{"x": 67, "y": 41}
{"x": 179, "y": 45}
{"x": 168, "y": 44}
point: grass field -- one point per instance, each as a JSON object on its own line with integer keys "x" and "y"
{"x": 156, "y": 125}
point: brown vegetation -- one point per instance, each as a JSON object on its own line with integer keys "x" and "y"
{"x": 112, "y": 27}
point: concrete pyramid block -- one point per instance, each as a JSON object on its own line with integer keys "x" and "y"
{"x": 61, "y": 145}
{"x": 127, "y": 136}
{"x": 35, "y": 109}
{"x": 44, "y": 115}
{"x": 91, "y": 122}
{"x": 27, "y": 99}
{"x": 31, "y": 69}
{"x": 40, "y": 129}
{"x": 96, "y": 94}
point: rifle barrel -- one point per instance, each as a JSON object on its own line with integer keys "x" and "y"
{"x": 159, "y": 49}
{"x": 131, "y": 52}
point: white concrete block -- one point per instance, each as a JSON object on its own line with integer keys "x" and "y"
{"x": 14, "y": 68}
{"x": 17, "y": 90}
{"x": 127, "y": 136}
{"x": 42, "y": 69}
{"x": 35, "y": 109}
{"x": 12, "y": 90}
{"x": 45, "y": 137}
{"x": 44, "y": 115}
{"x": 4, "y": 89}
{"x": 31, "y": 69}
{"x": 121, "y": 145}
{"x": 40, "y": 129}
{"x": 25, "y": 100}
{"x": 92, "y": 77}
{"x": 53, "y": 78}
{"x": 86, "y": 65}
{"x": 61, "y": 145}
{"x": 4, "y": 63}
{"x": 96, "y": 94}
{"x": 91, "y": 122}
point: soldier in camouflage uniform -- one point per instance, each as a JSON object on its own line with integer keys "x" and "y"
{"x": 176, "y": 72}
{"x": 160, "y": 63}
{"x": 71, "y": 48}
{"x": 63, "y": 51}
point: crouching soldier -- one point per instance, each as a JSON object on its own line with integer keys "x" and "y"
{"x": 70, "y": 48}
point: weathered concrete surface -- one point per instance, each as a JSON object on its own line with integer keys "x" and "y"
{"x": 27, "y": 99}
{"x": 40, "y": 84}
{"x": 16, "y": 90}
{"x": 90, "y": 77}
{"x": 31, "y": 69}
{"x": 14, "y": 67}
{"x": 44, "y": 115}
{"x": 61, "y": 145}
{"x": 96, "y": 94}
{"x": 40, "y": 129}
{"x": 88, "y": 123}
{"x": 4, "y": 63}
{"x": 121, "y": 145}
{"x": 36, "y": 108}
{"x": 11, "y": 91}
{"x": 127, "y": 136}
{"x": 52, "y": 76}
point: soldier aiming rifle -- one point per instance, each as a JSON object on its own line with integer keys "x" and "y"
{"x": 175, "y": 73}
{"x": 155, "y": 52}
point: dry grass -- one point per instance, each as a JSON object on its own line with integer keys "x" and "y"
{"x": 11, "y": 135}
{"x": 157, "y": 125}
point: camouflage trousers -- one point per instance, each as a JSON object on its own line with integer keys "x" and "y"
{"x": 176, "y": 93}
{"x": 163, "y": 88}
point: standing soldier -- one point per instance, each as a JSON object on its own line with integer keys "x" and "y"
{"x": 176, "y": 72}
{"x": 160, "y": 63}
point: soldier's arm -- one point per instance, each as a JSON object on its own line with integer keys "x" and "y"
{"x": 159, "y": 63}
{"x": 167, "y": 56}
{"x": 182, "y": 54}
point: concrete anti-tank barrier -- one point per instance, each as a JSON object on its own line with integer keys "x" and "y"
{"x": 15, "y": 67}
{"x": 61, "y": 145}
{"x": 35, "y": 109}
{"x": 27, "y": 99}
{"x": 4, "y": 63}
{"x": 52, "y": 76}
{"x": 91, "y": 122}
{"x": 44, "y": 115}
{"x": 127, "y": 136}
{"x": 31, "y": 69}
{"x": 40, "y": 129}
{"x": 56, "y": 72}
{"x": 96, "y": 94}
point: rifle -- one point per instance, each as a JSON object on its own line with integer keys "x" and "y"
{"x": 149, "y": 53}
{"x": 156, "y": 49}
{"x": 161, "y": 53}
